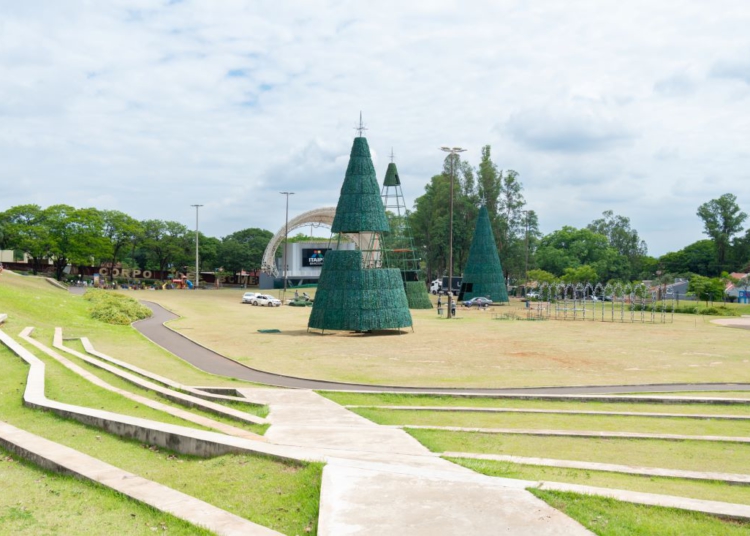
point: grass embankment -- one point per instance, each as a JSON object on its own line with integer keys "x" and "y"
{"x": 115, "y": 381}
{"x": 43, "y": 502}
{"x": 31, "y": 301}
{"x": 685, "y": 455}
{"x": 394, "y": 399}
{"x": 696, "y": 489}
{"x": 619, "y": 518}
{"x": 542, "y": 421}
{"x": 275, "y": 494}
{"x": 696, "y": 394}
{"x": 608, "y": 517}
{"x": 474, "y": 350}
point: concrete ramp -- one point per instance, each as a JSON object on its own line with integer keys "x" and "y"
{"x": 380, "y": 480}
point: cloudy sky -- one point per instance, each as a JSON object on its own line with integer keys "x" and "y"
{"x": 148, "y": 107}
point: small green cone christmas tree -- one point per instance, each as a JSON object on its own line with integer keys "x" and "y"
{"x": 356, "y": 291}
{"x": 398, "y": 244}
{"x": 483, "y": 275}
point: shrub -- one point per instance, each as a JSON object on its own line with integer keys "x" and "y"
{"x": 115, "y": 308}
{"x": 686, "y": 309}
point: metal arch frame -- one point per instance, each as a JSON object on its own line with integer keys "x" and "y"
{"x": 322, "y": 216}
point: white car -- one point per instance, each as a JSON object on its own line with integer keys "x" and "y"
{"x": 268, "y": 301}
{"x": 248, "y": 297}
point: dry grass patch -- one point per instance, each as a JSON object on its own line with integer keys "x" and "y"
{"x": 472, "y": 350}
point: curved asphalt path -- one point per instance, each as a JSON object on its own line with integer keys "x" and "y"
{"x": 203, "y": 358}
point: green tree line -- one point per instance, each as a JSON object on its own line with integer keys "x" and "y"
{"x": 90, "y": 237}
{"x": 607, "y": 249}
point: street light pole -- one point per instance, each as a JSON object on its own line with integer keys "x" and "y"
{"x": 526, "y": 267}
{"x": 452, "y": 151}
{"x": 197, "y": 273}
{"x": 286, "y": 237}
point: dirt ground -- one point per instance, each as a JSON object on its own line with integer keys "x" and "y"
{"x": 473, "y": 350}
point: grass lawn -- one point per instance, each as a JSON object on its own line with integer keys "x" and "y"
{"x": 696, "y": 489}
{"x": 120, "y": 383}
{"x": 31, "y": 301}
{"x": 687, "y": 455}
{"x": 699, "y": 394}
{"x": 396, "y": 399}
{"x": 471, "y": 351}
{"x": 56, "y": 504}
{"x": 278, "y": 495}
{"x": 608, "y": 517}
{"x": 541, "y": 421}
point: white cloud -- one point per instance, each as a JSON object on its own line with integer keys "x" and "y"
{"x": 150, "y": 106}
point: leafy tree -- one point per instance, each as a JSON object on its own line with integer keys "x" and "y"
{"x": 501, "y": 193}
{"x": 26, "y": 231}
{"x": 622, "y": 238}
{"x": 740, "y": 252}
{"x": 208, "y": 249}
{"x": 722, "y": 219}
{"x": 541, "y": 276}
{"x": 489, "y": 184}
{"x": 570, "y": 248}
{"x": 580, "y": 274}
{"x": 167, "y": 243}
{"x": 121, "y": 232}
{"x": 512, "y": 223}
{"x": 697, "y": 258}
{"x": 243, "y": 249}
{"x": 430, "y": 222}
{"x": 707, "y": 288}
{"x": 75, "y": 236}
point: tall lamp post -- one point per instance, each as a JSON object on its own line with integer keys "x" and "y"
{"x": 286, "y": 236}
{"x": 526, "y": 265}
{"x": 197, "y": 273}
{"x": 452, "y": 151}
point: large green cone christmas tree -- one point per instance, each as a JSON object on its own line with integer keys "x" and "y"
{"x": 399, "y": 244}
{"x": 483, "y": 275}
{"x": 356, "y": 290}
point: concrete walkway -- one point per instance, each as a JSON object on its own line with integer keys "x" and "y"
{"x": 380, "y": 480}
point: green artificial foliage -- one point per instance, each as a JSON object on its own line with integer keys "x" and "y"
{"x": 398, "y": 245}
{"x": 360, "y": 208}
{"x": 391, "y": 176}
{"x": 417, "y": 295}
{"x": 483, "y": 275}
{"x": 352, "y": 298}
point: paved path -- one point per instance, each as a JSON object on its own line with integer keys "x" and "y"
{"x": 210, "y": 361}
{"x": 379, "y": 480}
{"x": 741, "y": 323}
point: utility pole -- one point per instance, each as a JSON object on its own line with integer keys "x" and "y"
{"x": 197, "y": 272}
{"x": 286, "y": 238}
{"x": 526, "y": 266}
{"x": 452, "y": 151}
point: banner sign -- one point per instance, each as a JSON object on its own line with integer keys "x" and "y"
{"x": 313, "y": 258}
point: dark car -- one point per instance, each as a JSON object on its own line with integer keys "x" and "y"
{"x": 479, "y": 301}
